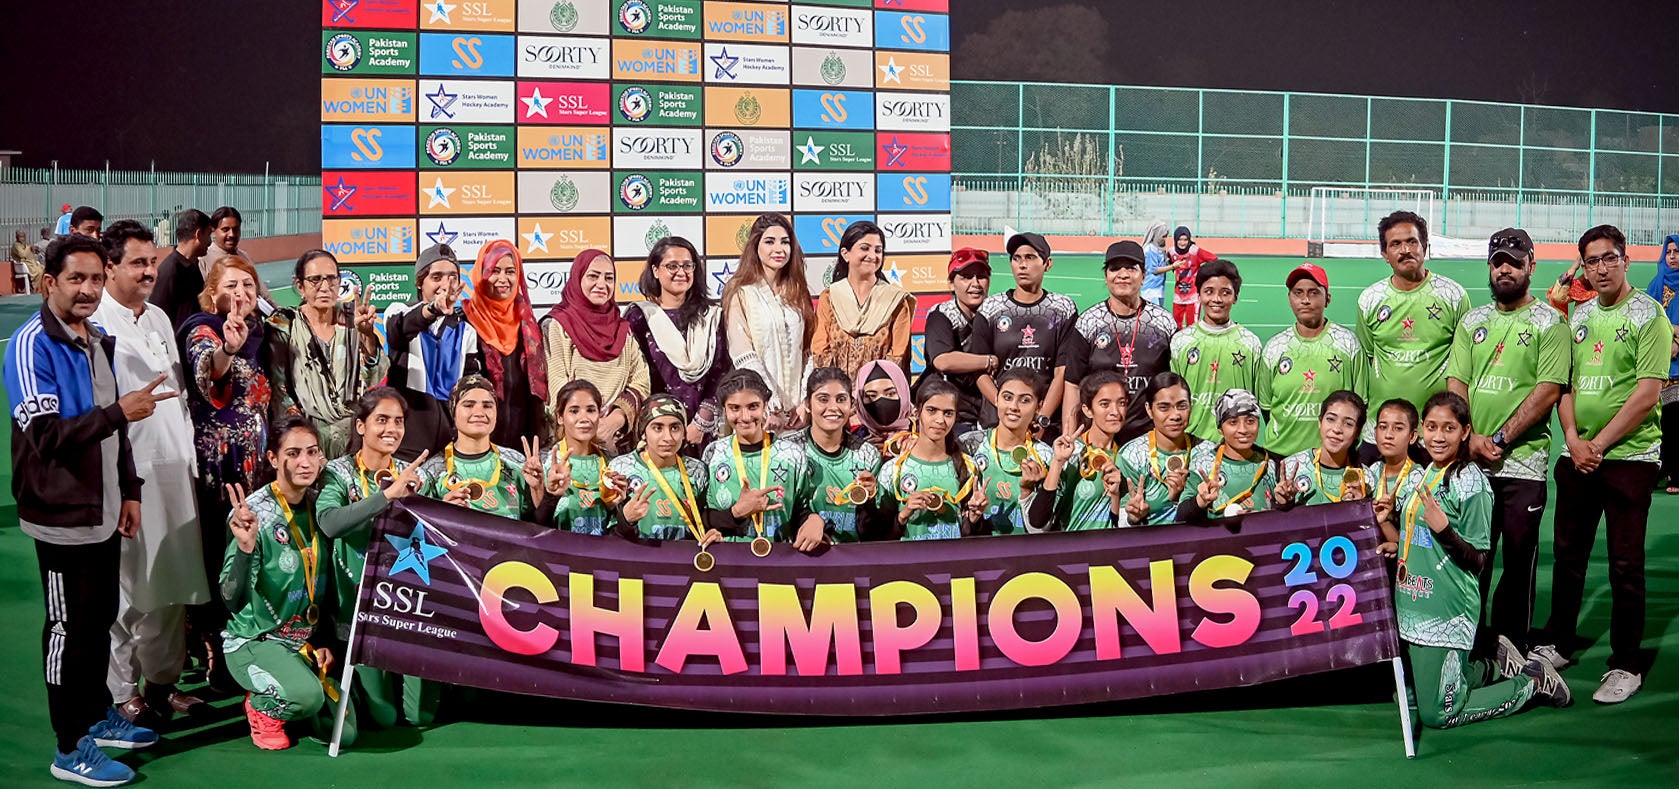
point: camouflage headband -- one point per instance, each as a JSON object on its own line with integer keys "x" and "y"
{"x": 659, "y": 406}
{"x": 1235, "y": 403}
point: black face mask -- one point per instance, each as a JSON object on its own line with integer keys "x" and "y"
{"x": 883, "y": 411}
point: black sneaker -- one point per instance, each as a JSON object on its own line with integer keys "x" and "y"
{"x": 1548, "y": 685}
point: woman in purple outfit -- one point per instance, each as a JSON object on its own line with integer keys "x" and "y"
{"x": 680, "y": 329}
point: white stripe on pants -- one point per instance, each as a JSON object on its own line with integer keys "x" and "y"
{"x": 55, "y": 615}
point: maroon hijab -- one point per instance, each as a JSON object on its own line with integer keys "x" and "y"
{"x": 598, "y": 332}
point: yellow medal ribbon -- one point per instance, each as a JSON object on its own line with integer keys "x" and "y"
{"x": 1087, "y": 468}
{"x": 692, "y": 520}
{"x": 1317, "y": 476}
{"x": 565, "y": 455}
{"x": 1218, "y": 460}
{"x": 449, "y": 472}
{"x": 961, "y": 495}
{"x": 1381, "y": 480}
{"x": 361, "y": 473}
{"x": 311, "y": 554}
{"x": 997, "y": 452}
{"x": 1411, "y": 508}
{"x": 763, "y": 475}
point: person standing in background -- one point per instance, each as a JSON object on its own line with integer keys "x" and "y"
{"x": 1303, "y": 364}
{"x": 65, "y": 221}
{"x": 179, "y": 280}
{"x": 949, "y": 325}
{"x": 1155, "y": 262}
{"x": 679, "y": 328}
{"x": 313, "y": 354}
{"x": 1126, "y": 333}
{"x": 227, "y": 226}
{"x": 1024, "y": 327}
{"x": 432, "y": 346}
{"x": 515, "y": 356}
{"x": 1216, "y": 354}
{"x": 1663, "y": 287}
{"x": 1187, "y": 257}
{"x": 861, "y": 316}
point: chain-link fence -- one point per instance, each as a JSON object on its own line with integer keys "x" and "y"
{"x": 271, "y": 205}
{"x": 1105, "y": 160}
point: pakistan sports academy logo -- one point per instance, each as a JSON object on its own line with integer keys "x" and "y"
{"x": 636, "y": 192}
{"x": 635, "y": 16}
{"x": 443, "y": 147}
{"x": 563, "y": 196}
{"x": 726, "y": 149}
{"x": 343, "y": 52}
{"x": 635, "y": 105}
{"x": 833, "y": 69}
{"x": 563, "y": 16}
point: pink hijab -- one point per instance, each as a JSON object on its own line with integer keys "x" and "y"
{"x": 905, "y": 407}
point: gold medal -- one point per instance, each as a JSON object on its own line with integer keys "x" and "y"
{"x": 856, "y": 494}
{"x": 312, "y": 614}
{"x": 899, "y": 443}
{"x": 383, "y": 478}
{"x": 1020, "y": 453}
{"x": 474, "y": 490}
{"x": 1352, "y": 484}
{"x": 704, "y": 561}
{"x": 1404, "y": 574}
{"x": 760, "y": 547}
{"x": 1174, "y": 463}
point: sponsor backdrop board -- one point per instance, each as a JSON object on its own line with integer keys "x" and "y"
{"x": 568, "y": 124}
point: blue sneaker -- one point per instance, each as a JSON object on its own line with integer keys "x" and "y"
{"x": 116, "y": 732}
{"x": 89, "y": 766}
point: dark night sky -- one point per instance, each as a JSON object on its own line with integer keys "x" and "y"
{"x": 229, "y": 85}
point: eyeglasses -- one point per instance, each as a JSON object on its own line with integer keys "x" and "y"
{"x": 1603, "y": 261}
{"x": 317, "y": 280}
{"x": 676, "y": 267}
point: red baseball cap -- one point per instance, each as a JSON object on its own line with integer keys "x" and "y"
{"x": 968, "y": 257}
{"x": 1308, "y": 269}
{"x": 66, "y": 208}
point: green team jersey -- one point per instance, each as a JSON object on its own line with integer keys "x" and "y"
{"x": 580, "y": 509}
{"x": 1408, "y": 336}
{"x": 1005, "y": 510}
{"x": 1380, "y": 486}
{"x": 343, "y": 483}
{"x": 277, "y": 593}
{"x": 1249, "y": 481}
{"x": 1298, "y": 374}
{"x": 664, "y": 520}
{"x": 787, "y": 470}
{"x": 500, "y": 471}
{"x": 1315, "y": 483}
{"x": 905, "y": 474}
{"x": 1212, "y": 360}
{"x": 830, "y": 477}
{"x": 1137, "y": 460}
{"x": 1614, "y": 348}
{"x": 1082, "y": 504}
{"x": 1439, "y": 603}
{"x": 1501, "y": 356}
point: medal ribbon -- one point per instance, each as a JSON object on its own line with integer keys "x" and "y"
{"x": 449, "y": 469}
{"x": 1415, "y": 504}
{"x": 1317, "y": 476}
{"x": 997, "y": 452}
{"x": 763, "y": 475}
{"x": 565, "y": 454}
{"x": 1381, "y": 481}
{"x": 311, "y": 554}
{"x": 692, "y": 520}
{"x": 361, "y": 473}
{"x": 1218, "y": 460}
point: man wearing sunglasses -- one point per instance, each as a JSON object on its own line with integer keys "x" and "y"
{"x": 1124, "y": 333}
{"x": 1622, "y": 346}
{"x": 1509, "y": 359}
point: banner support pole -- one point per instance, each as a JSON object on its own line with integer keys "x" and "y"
{"x": 1398, "y": 686}
{"x": 348, "y": 678}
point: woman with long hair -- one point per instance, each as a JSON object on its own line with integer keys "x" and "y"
{"x": 1159, "y": 459}
{"x": 862, "y": 316}
{"x": 318, "y": 346}
{"x": 680, "y": 330}
{"x": 514, "y": 357}
{"x": 588, "y": 338}
{"x": 842, "y": 464}
{"x": 769, "y": 318}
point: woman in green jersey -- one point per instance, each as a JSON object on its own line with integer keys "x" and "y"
{"x": 1328, "y": 473}
{"x": 666, "y": 490}
{"x": 757, "y": 484}
{"x": 1082, "y": 480}
{"x": 579, "y": 488}
{"x": 1157, "y": 463}
{"x": 933, "y": 491}
{"x": 355, "y": 489}
{"x": 473, "y": 472}
{"x": 1444, "y": 515}
{"x": 842, "y": 465}
{"x": 1395, "y": 433}
{"x": 1231, "y": 476}
{"x": 1013, "y": 462}
{"x": 275, "y": 590}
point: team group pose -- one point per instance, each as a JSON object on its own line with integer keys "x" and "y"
{"x": 206, "y": 480}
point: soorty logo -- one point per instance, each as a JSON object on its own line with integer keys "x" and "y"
{"x": 562, "y": 54}
{"x": 830, "y": 23}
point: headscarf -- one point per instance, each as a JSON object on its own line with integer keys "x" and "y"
{"x": 1182, "y": 232}
{"x": 1235, "y": 403}
{"x": 501, "y": 323}
{"x": 1156, "y": 231}
{"x": 1664, "y": 288}
{"x": 657, "y": 406}
{"x": 874, "y": 371}
{"x": 871, "y": 315}
{"x": 598, "y": 332}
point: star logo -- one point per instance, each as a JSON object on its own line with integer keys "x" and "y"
{"x": 442, "y": 102}
{"x": 340, "y": 193}
{"x": 1213, "y": 367}
{"x": 1408, "y": 323}
{"x": 442, "y": 235}
{"x": 1434, "y": 312}
{"x": 725, "y": 64}
{"x": 1335, "y": 364}
{"x": 1622, "y": 334}
{"x": 439, "y": 194}
{"x": 721, "y": 276}
{"x": 414, "y": 553}
{"x": 1311, "y": 375}
{"x": 538, "y": 239}
{"x": 894, "y": 274}
{"x": 1598, "y": 348}
{"x": 536, "y": 104}
{"x": 1498, "y": 350}
{"x": 1525, "y": 338}
{"x": 440, "y": 12}
{"x": 890, "y": 71}
{"x": 895, "y": 153}
{"x": 1026, "y": 335}
{"x": 811, "y": 152}
{"x": 1238, "y": 357}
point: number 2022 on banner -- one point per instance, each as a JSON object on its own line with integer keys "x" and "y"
{"x": 1337, "y": 558}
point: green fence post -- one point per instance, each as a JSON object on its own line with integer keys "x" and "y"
{"x": 1521, "y": 161}
{"x": 1200, "y": 151}
{"x": 1591, "y": 177}
{"x": 1113, "y": 186}
{"x": 1288, "y": 99}
{"x": 1446, "y": 173}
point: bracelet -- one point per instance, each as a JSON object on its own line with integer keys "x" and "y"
{"x": 224, "y": 349}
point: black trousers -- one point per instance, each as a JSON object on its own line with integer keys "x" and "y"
{"x": 1618, "y": 492}
{"x": 79, "y": 584}
{"x": 1670, "y": 442}
{"x": 1518, "y": 507}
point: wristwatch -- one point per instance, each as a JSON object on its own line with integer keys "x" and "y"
{"x": 1498, "y": 440}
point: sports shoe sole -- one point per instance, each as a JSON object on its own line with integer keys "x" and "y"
{"x": 65, "y": 775}
{"x": 125, "y": 745}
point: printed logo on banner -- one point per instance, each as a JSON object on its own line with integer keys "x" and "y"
{"x": 940, "y": 6}
{"x": 918, "y": 273}
{"x": 468, "y": 147}
{"x": 657, "y": 105}
{"x": 355, "y": 52}
{"x": 833, "y": 109}
{"x": 398, "y": 14}
{"x": 748, "y": 149}
{"x": 466, "y": 101}
{"x": 367, "y": 147}
{"x": 670, "y": 61}
{"x": 559, "y": 238}
{"x": 840, "y": 193}
{"x": 912, "y": 71}
{"x": 747, "y": 64}
{"x": 559, "y": 57}
{"x": 657, "y": 18}
{"x": 658, "y": 192}
{"x": 490, "y": 15}
{"x": 751, "y": 107}
{"x": 925, "y": 152}
{"x": 830, "y": 27}
{"x": 369, "y": 240}
{"x": 912, "y": 112}
{"x": 760, "y": 192}
{"x": 670, "y": 149}
{"x": 819, "y": 234}
{"x": 465, "y": 234}
{"x": 744, "y": 22}
{"x": 550, "y": 192}
{"x": 910, "y": 30}
{"x": 545, "y": 281}
{"x": 833, "y": 68}
{"x": 466, "y": 55}
{"x": 916, "y": 232}
{"x": 634, "y": 236}
{"x": 727, "y": 235}
{"x": 568, "y": 17}
{"x": 367, "y": 100}
{"x": 915, "y": 192}
{"x": 367, "y": 194}
{"x": 564, "y": 147}
{"x": 565, "y": 102}
{"x": 466, "y": 193}
{"x": 823, "y": 150}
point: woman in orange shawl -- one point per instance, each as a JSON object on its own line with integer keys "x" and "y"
{"x": 514, "y": 358}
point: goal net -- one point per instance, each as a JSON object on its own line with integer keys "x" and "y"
{"x": 1342, "y": 222}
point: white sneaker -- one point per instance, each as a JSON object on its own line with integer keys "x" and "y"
{"x": 1549, "y": 654}
{"x": 1618, "y": 686}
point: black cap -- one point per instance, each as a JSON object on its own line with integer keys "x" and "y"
{"x": 1512, "y": 241}
{"x": 1019, "y": 239}
{"x": 1125, "y": 251}
{"x": 433, "y": 254}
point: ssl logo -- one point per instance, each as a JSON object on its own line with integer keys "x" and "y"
{"x": 833, "y": 228}
{"x": 833, "y": 108}
{"x": 913, "y": 32}
{"x": 915, "y": 190}
{"x": 467, "y": 55}
{"x": 367, "y": 145}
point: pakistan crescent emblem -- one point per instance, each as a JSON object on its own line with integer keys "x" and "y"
{"x": 563, "y": 16}
{"x": 564, "y": 195}
{"x": 748, "y": 110}
{"x": 833, "y": 69}
{"x": 658, "y": 231}
{"x": 742, "y": 235}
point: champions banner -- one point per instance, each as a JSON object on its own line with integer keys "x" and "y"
{"x": 875, "y": 628}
